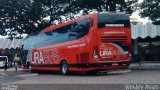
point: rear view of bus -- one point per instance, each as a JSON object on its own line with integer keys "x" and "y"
{"x": 95, "y": 42}
{"x": 114, "y": 44}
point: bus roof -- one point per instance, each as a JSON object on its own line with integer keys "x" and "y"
{"x": 113, "y": 13}
{"x": 53, "y": 27}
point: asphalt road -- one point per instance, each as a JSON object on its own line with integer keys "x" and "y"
{"x": 113, "y": 80}
{"x": 112, "y": 77}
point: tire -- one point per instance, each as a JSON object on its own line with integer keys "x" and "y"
{"x": 64, "y": 68}
{"x": 28, "y": 64}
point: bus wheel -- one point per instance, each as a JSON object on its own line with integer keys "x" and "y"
{"x": 64, "y": 68}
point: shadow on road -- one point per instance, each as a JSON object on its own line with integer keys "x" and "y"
{"x": 100, "y": 73}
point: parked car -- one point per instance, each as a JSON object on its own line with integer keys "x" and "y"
{"x": 3, "y": 59}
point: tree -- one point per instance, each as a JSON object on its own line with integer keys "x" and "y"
{"x": 151, "y": 9}
{"x": 27, "y": 16}
{"x": 102, "y": 5}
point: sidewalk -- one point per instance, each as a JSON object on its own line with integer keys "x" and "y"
{"x": 11, "y": 69}
{"x": 145, "y": 65}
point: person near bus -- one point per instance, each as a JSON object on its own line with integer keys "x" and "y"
{"x": 5, "y": 66}
{"x": 17, "y": 59}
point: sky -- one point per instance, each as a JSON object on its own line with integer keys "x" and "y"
{"x": 139, "y": 18}
{"x": 140, "y": 1}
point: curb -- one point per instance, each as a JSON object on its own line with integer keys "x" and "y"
{"x": 27, "y": 75}
{"x": 143, "y": 66}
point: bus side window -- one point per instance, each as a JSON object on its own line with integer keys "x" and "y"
{"x": 73, "y": 32}
{"x": 80, "y": 29}
{"x": 83, "y": 27}
{"x": 67, "y": 33}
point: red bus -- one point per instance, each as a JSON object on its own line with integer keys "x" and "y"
{"x": 91, "y": 43}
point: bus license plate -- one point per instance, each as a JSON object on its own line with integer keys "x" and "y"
{"x": 114, "y": 64}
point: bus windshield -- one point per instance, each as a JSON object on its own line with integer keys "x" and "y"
{"x": 113, "y": 20}
{"x": 3, "y": 59}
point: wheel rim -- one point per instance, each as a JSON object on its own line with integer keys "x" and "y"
{"x": 64, "y": 68}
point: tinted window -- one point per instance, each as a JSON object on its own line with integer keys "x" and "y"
{"x": 67, "y": 33}
{"x": 79, "y": 29}
{"x": 105, "y": 19}
{"x": 29, "y": 42}
{"x": 3, "y": 59}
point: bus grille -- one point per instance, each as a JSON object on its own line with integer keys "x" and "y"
{"x": 109, "y": 39}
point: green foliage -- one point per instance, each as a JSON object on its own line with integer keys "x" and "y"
{"x": 27, "y": 16}
{"x": 102, "y": 5}
{"x": 151, "y": 9}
